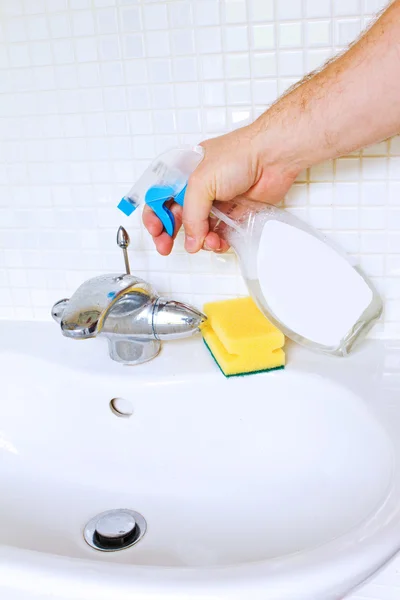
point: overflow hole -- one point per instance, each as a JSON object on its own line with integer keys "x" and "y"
{"x": 121, "y": 407}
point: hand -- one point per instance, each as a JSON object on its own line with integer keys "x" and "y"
{"x": 234, "y": 164}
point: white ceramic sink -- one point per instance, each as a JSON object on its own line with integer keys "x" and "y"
{"x": 277, "y": 486}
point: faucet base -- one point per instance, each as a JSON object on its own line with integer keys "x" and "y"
{"x": 131, "y": 351}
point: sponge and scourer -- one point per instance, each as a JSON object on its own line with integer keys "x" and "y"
{"x": 241, "y": 339}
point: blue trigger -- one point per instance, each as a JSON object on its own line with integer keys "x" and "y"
{"x": 157, "y": 196}
{"x": 171, "y": 221}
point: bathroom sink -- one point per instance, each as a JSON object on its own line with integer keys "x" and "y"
{"x": 278, "y": 486}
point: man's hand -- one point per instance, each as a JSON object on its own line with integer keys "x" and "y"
{"x": 234, "y": 165}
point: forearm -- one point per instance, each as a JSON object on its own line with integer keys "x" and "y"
{"x": 353, "y": 102}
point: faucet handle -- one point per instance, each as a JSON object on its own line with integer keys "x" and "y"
{"x": 123, "y": 241}
{"x": 83, "y": 315}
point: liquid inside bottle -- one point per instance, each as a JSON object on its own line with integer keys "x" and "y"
{"x": 299, "y": 279}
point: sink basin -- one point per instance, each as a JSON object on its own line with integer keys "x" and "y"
{"x": 279, "y": 486}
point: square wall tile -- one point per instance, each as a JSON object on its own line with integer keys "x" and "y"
{"x": 106, "y": 20}
{"x": 315, "y": 59}
{"x": 155, "y": 16}
{"x": 77, "y": 4}
{"x": 140, "y": 123}
{"x": 346, "y": 31}
{"x": 37, "y": 28}
{"x": 263, "y": 64}
{"x": 347, "y": 169}
{"x": 290, "y": 34}
{"x": 109, "y": 48}
{"x": 374, "y": 6}
{"x": 212, "y": 67}
{"x": 321, "y": 194}
{"x": 373, "y": 264}
{"x": 182, "y": 41}
{"x": 321, "y": 217}
{"x": 372, "y": 217}
{"x": 374, "y": 193}
{"x": 213, "y": 94}
{"x": 157, "y": 43}
{"x": 239, "y": 92}
{"x": 373, "y": 242}
{"x": 63, "y": 51}
{"x": 235, "y": 11}
{"x": 86, "y": 49}
{"x": 291, "y": 63}
{"x": 133, "y": 46}
{"x": 322, "y": 171}
{"x": 318, "y": 33}
{"x": 159, "y": 70}
{"x": 207, "y": 12}
{"x": 374, "y": 168}
{"x": 264, "y": 92}
{"x": 345, "y": 218}
{"x": 297, "y": 195}
{"x": 164, "y": 121}
{"x": 60, "y": 25}
{"x": 209, "y": 40}
{"x": 82, "y": 23}
{"x": 19, "y": 55}
{"x": 239, "y": 117}
{"x": 347, "y": 194}
{"x": 189, "y": 121}
{"x": 215, "y": 119}
{"x": 138, "y": 97}
{"x": 237, "y": 66}
{"x": 349, "y": 241}
{"x": 235, "y": 39}
{"x": 162, "y": 96}
{"x": 346, "y": 7}
{"x": 263, "y": 36}
{"x": 15, "y": 30}
{"x": 180, "y": 13}
{"x": 184, "y": 69}
{"x": 318, "y": 8}
{"x": 261, "y": 10}
{"x": 289, "y": 9}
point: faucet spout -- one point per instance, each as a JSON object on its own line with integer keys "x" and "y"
{"x": 174, "y": 320}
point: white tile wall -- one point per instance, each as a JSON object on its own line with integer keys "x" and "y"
{"x": 91, "y": 90}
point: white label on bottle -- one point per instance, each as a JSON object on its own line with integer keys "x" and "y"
{"x": 309, "y": 287}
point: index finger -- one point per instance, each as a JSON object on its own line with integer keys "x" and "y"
{"x": 198, "y": 201}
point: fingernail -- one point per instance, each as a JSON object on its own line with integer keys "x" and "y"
{"x": 190, "y": 243}
{"x": 206, "y": 247}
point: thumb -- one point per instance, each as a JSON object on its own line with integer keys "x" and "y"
{"x": 196, "y": 210}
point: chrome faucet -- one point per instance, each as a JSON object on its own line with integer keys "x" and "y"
{"x": 128, "y": 312}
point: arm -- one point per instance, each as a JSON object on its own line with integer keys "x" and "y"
{"x": 352, "y": 102}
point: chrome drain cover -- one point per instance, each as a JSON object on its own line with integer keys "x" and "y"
{"x": 115, "y": 530}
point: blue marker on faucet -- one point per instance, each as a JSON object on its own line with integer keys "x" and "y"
{"x": 165, "y": 179}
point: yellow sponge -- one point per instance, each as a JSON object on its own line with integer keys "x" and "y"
{"x": 241, "y": 340}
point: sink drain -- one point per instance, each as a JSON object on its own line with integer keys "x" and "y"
{"x": 115, "y": 530}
